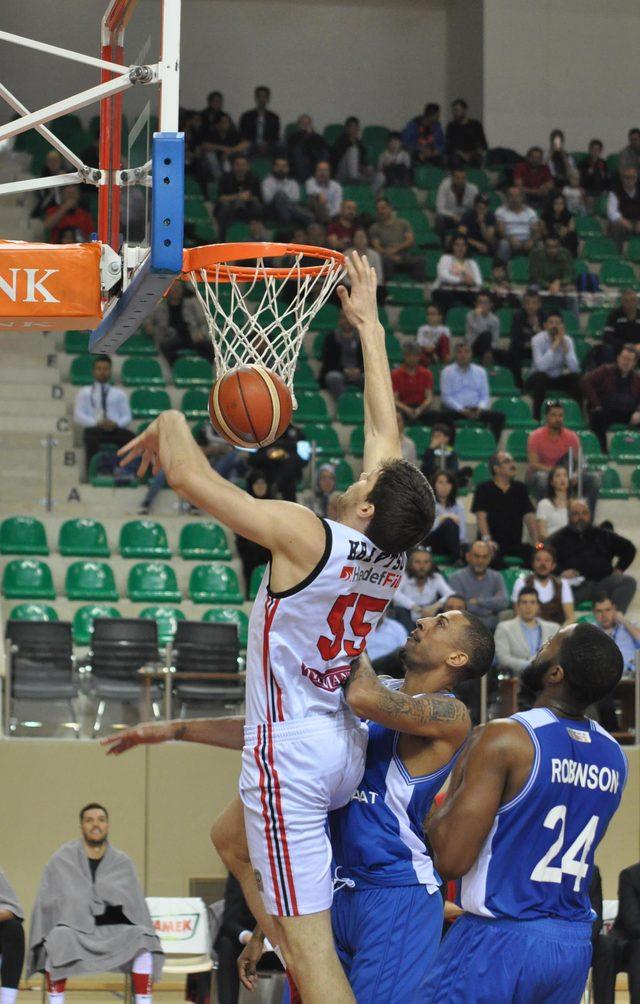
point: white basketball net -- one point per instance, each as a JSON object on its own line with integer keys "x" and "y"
{"x": 270, "y": 330}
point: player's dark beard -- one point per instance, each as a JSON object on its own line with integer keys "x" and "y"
{"x": 96, "y": 843}
{"x": 533, "y": 675}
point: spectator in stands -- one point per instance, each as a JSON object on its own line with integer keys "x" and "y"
{"x": 464, "y": 391}
{"x": 178, "y": 323}
{"x": 623, "y": 207}
{"x": 594, "y": 173}
{"x": 554, "y": 593}
{"x": 393, "y": 239}
{"x": 555, "y": 364}
{"x": 281, "y": 195}
{"x": 449, "y": 531}
{"x": 454, "y": 602}
{"x": 70, "y": 213}
{"x": 237, "y": 923}
{"x": 499, "y": 285}
{"x": 220, "y": 144}
{"x": 102, "y": 411}
{"x": 517, "y": 225}
{"x": 624, "y": 632}
{"x": 552, "y": 511}
{"x": 585, "y": 558}
{"x": 558, "y": 222}
{"x": 281, "y": 464}
{"x": 619, "y": 949}
{"x": 526, "y": 322}
{"x": 319, "y": 500}
{"x": 324, "y": 194}
{"x": 440, "y": 454}
{"x": 482, "y": 330}
{"x": 342, "y": 228}
{"x": 612, "y": 392}
{"x": 407, "y": 444}
{"x": 342, "y": 364}
{"x": 259, "y": 126}
{"x": 574, "y": 195}
{"x": 434, "y": 338}
{"x": 554, "y": 444}
{"x": 551, "y": 266}
{"x": 622, "y": 327}
{"x": 561, "y": 163}
{"x": 425, "y": 135}
{"x": 481, "y": 587}
{"x": 384, "y": 646}
{"x": 238, "y": 196}
{"x": 47, "y": 197}
{"x": 422, "y": 590}
{"x": 465, "y": 139}
{"x": 533, "y": 176}
{"x": 394, "y": 163}
{"x": 222, "y": 457}
{"x": 253, "y": 555}
{"x": 211, "y": 114}
{"x": 630, "y": 154}
{"x": 458, "y": 277}
{"x": 306, "y": 149}
{"x": 478, "y": 225}
{"x": 503, "y": 509}
{"x": 349, "y": 161}
{"x": 413, "y": 386}
{"x": 454, "y": 197}
{"x": 519, "y": 639}
{"x": 361, "y": 245}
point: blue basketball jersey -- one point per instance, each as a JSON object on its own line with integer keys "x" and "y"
{"x": 538, "y": 857}
{"x": 377, "y": 838}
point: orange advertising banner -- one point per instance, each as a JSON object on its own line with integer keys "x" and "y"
{"x": 49, "y": 286}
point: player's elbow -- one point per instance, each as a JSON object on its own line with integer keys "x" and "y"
{"x": 452, "y": 863}
{"x": 359, "y": 700}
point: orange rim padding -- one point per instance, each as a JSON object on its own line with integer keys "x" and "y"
{"x": 214, "y": 259}
{"x": 49, "y": 286}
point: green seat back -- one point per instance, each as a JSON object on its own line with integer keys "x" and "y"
{"x": 510, "y": 577}
{"x": 326, "y": 319}
{"x": 148, "y": 402}
{"x": 304, "y": 377}
{"x": 501, "y": 380}
{"x": 599, "y": 249}
{"x": 332, "y": 131}
{"x": 618, "y": 273}
{"x": 429, "y": 177}
{"x": 633, "y": 249}
{"x": 519, "y": 269}
{"x": 475, "y": 443}
{"x": 517, "y": 444}
{"x": 481, "y": 473}
{"x": 611, "y": 486}
{"x": 407, "y": 295}
{"x": 138, "y": 371}
{"x": 505, "y": 316}
{"x": 83, "y": 538}
{"x": 420, "y": 437}
{"x": 195, "y": 404}
{"x": 590, "y": 445}
{"x": 356, "y": 441}
{"x": 85, "y": 616}
{"x": 588, "y": 226}
{"x": 571, "y": 323}
{"x": 516, "y": 410}
{"x": 26, "y": 579}
{"x": 326, "y": 439}
{"x": 625, "y": 447}
{"x": 81, "y": 371}
{"x": 153, "y": 582}
{"x": 230, "y": 615}
{"x": 596, "y": 322}
{"x": 23, "y": 535}
{"x": 90, "y": 580}
{"x": 203, "y": 541}
{"x": 76, "y": 343}
{"x": 33, "y": 612}
{"x": 215, "y": 583}
{"x": 192, "y": 371}
{"x": 431, "y": 259}
{"x": 167, "y": 620}
{"x": 476, "y": 176}
{"x": 457, "y": 320}
{"x": 256, "y": 579}
{"x": 344, "y": 475}
{"x": 411, "y": 318}
{"x": 351, "y": 408}
{"x": 139, "y": 344}
{"x": 143, "y": 538}
{"x": 393, "y": 348}
{"x": 312, "y": 407}
{"x": 401, "y": 198}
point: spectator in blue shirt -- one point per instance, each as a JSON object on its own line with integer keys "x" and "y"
{"x": 425, "y": 133}
{"x": 464, "y": 390}
{"x": 555, "y": 365}
{"x": 613, "y": 622}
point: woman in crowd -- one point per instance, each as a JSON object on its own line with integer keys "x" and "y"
{"x": 558, "y": 222}
{"x": 320, "y": 499}
{"x": 458, "y": 279}
{"x": 552, "y": 512}
{"x": 561, "y": 163}
{"x": 449, "y": 529}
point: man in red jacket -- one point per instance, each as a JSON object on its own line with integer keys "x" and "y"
{"x": 612, "y": 393}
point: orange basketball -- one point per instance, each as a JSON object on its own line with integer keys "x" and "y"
{"x": 250, "y": 406}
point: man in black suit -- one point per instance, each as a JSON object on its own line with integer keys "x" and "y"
{"x": 260, "y": 126}
{"x": 237, "y": 925}
{"x": 619, "y": 950}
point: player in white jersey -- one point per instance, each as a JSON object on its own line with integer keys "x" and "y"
{"x": 325, "y": 589}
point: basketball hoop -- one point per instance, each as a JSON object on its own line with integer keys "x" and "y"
{"x": 259, "y": 313}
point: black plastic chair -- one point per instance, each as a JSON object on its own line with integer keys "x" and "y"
{"x": 119, "y": 649}
{"x": 203, "y": 647}
{"x": 41, "y": 665}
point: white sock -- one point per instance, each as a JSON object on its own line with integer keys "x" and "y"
{"x": 56, "y": 998}
{"x": 143, "y": 963}
{"x": 8, "y": 995}
{"x": 143, "y": 999}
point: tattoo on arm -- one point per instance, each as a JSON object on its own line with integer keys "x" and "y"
{"x": 423, "y": 710}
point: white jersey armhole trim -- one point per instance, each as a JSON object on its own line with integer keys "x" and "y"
{"x": 535, "y": 767}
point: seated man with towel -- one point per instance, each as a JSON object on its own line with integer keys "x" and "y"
{"x": 90, "y": 914}
{"x": 11, "y": 941}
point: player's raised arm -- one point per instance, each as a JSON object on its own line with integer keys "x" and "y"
{"x": 381, "y": 436}
{"x": 225, "y": 733}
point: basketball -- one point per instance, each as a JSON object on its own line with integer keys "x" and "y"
{"x": 250, "y": 406}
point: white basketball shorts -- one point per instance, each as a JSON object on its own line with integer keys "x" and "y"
{"x": 293, "y": 774}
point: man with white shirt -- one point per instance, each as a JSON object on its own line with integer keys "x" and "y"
{"x": 623, "y": 206}
{"x": 454, "y": 197}
{"x": 464, "y": 392}
{"x": 519, "y": 640}
{"x": 422, "y": 590}
{"x": 555, "y": 364}
{"x": 281, "y": 195}
{"x": 102, "y": 411}
{"x": 517, "y": 225}
{"x": 324, "y": 195}
{"x": 555, "y": 597}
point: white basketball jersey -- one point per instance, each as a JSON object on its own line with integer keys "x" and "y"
{"x": 302, "y": 641}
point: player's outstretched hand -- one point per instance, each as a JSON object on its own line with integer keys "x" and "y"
{"x": 359, "y": 303}
{"x": 146, "y": 446}
{"x": 142, "y": 735}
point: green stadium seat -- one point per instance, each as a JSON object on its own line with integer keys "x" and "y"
{"x": 344, "y": 475}
{"x": 611, "y": 486}
{"x": 26, "y": 579}
{"x": 33, "y": 612}
{"x": 192, "y": 371}
{"x": 633, "y": 249}
{"x": 237, "y": 232}
{"x": 143, "y": 538}
{"x": 571, "y": 323}
{"x": 429, "y": 177}
{"x": 625, "y": 447}
{"x": 304, "y": 378}
{"x": 613, "y": 162}
{"x": 76, "y": 343}
{"x": 501, "y": 381}
{"x": 401, "y": 198}
{"x": 363, "y": 197}
{"x": 457, "y": 320}
{"x": 332, "y": 131}
{"x": 393, "y": 347}
{"x": 195, "y": 404}
{"x": 481, "y": 473}
{"x": 167, "y": 620}
{"x": 573, "y": 417}
{"x": 356, "y": 441}
{"x": 517, "y": 412}
{"x": 312, "y": 407}
{"x": 137, "y": 371}
{"x": 326, "y": 319}
{"x": 596, "y": 322}
{"x": 474, "y": 443}
{"x": 81, "y": 371}
{"x": 84, "y": 617}
{"x": 431, "y": 259}
{"x": 599, "y": 249}
{"x": 618, "y": 273}
{"x": 420, "y": 437}
{"x": 510, "y": 576}
{"x": 590, "y": 445}
{"x": 153, "y": 582}
{"x": 107, "y": 480}
{"x": 375, "y": 134}
{"x": 505, "y": 316}
{"x": 83, "y": 538}
{"x": 476, "y": 176}
{"x": 406, "y": 295}
{"x": 326, "y": 439}
{"x": 230, "y": 615}
{"x": 215, "y": 583}
{"x": 23, "y": 535}
{"x": 485, "y": 264}
{"x": 516, "y": 444}
{"x": 519, "y": 269}
{"x": 579, "y": 267}
{"x": 90, "y": 580}
{"x": 139, "y": 344}
{"x": 255, "y": 580}
{"x": 204, "y": 541}
{"x": 261, "y": 167}
{"x": 635, "y": 481}
{"x": 588, "y": 226}
{"x": 351, "y": 408}
{"x": 147, "y": 402}
{"x": 411, "y": 317}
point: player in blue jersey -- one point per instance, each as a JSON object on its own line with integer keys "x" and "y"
{"x": 387, "y": 911}
{"x": 530, "y": 799}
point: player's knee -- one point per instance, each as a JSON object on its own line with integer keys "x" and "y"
{"x": 12, "y": 931}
